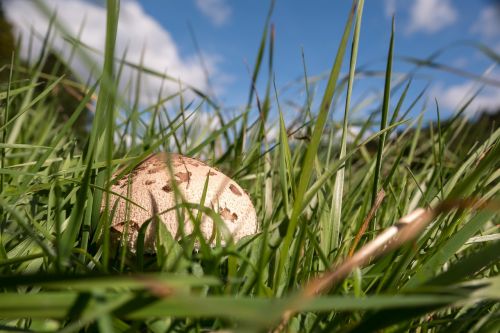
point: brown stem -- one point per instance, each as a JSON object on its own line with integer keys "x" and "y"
{"x": 371, "y": 214}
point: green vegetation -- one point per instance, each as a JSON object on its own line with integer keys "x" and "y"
{"x": 320, "y": 200}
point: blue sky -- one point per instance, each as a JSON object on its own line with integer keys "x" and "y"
{"x": 233, "y": 31}
{"x": 228, "y": 34}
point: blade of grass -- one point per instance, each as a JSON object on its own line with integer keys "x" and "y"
{"x": 384, "y": 112}
{"x": 434, "y": 263}
{"x": 307, "y": 166}
{"x": 240, "y": 141}
{"x": 107, "y": 107}
{"x": 331, "y": 230}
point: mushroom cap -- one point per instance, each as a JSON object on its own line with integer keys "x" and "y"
{"x": 151, "y": 186}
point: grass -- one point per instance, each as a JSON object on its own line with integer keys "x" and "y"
{"x": 343, "y": 245}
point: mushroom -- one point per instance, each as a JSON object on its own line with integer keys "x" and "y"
{"x": 151, "y": 188}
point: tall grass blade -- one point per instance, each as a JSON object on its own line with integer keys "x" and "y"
{"x": 384, "y": 113}
{"x": 308, "y": 162}
{"x": 331, "y": 231}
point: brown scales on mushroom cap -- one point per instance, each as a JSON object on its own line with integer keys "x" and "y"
{"x": 227, "y": 215}
{"x": 155, "y": 179}
{"x": 183, "y": 176}
{"x": 235, "y": 190}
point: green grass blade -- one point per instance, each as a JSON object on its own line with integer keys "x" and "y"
{"x": 468, "y": 266}
{"x": 427, "y": 269}
{"x": 307, "y": 165}
{"x": 240, "y": 141}
{"x": 331, "y": 231}
{"x": 385, "y": 112}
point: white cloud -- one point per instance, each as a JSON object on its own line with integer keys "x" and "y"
{"x": 218, "y": 11}
{"x": 389, "y": 7}
{"x": 431, "y": 15}
{"x": 488, "y": 22}
{"x": 455, "y": 96}
{"x": 460, "y": 62}
{"x": 136, "y": 31}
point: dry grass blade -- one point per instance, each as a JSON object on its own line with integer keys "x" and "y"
{"x": 366, "y": 222}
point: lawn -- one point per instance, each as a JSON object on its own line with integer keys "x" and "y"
{"x": 390, "y": 228}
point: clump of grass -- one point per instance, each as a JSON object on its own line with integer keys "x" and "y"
{"x": 320, "y": 263}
